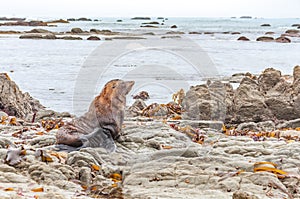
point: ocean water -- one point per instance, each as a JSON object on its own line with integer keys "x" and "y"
{"x": 66, "y": 75}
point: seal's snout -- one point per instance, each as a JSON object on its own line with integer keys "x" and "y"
{"x": 129, "y": 85}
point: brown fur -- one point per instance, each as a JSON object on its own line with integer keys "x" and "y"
{"x": 106, "y": 113}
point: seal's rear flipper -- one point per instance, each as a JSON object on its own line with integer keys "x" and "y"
{"x": 99, "y": 138}
{"x": 67, "y": 148}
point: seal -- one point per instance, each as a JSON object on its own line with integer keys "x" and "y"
{"x": 101, "y": 124}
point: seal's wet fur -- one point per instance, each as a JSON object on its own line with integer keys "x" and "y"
{"x": 101, "y": 124}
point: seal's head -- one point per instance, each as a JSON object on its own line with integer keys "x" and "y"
{"x": 116, "y": 88}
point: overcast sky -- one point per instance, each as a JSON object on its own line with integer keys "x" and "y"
{"x": 165, "y": 8}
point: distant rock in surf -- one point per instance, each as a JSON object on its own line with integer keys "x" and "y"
{"x": 265, "y": 39}
{"x": 141, "y": 18}
{"x": 243, "y": 38}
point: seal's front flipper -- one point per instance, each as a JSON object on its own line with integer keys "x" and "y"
{"x": 99, "y": 138}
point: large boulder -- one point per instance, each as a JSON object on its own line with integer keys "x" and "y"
{"x": 269, "y": 78}
{"x": 208, "y": 102}
{"x": 249, "y": 102}
{"x": 13, "y": 101}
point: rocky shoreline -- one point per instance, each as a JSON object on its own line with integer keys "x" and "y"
{"x": 287, "y": 36}
{"x": 211, "y": 142}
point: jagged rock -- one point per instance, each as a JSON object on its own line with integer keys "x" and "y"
{"x": 249, "y": 102}
{"x": 136, "y": 108}
{"x": 13, "y": 101}
{"x": 268, "y": 79}
{"x": 296, "y": 83}
{"x": 204, "y": 102}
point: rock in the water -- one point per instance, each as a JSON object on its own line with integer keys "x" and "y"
{"x": 173, "y": 26}
{"x": 141, "y": 18}
{"x": 13, "y": 101}
{"x": 265, "y": 25}
{"x": 32, "y": 36}
{"x": 94, "y": 38}
{"x": 269, "y": 33}
{"x": 265, "y": 39}
{"x": 38, "y": 36}
{"x": 38, "y": 30}
{"x": 243, "y": 38}
{"x": 283, "y": 40}
{"x": 58, "y": 21}
{"x": 292, "y": 31}
{"x": 77, "y": 31}
{"x": 69, "y": 38}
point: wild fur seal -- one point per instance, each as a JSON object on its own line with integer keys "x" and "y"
{"x": 102, "y": 124}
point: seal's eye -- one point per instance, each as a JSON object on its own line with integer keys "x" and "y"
{"x": 114, "y": 86}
